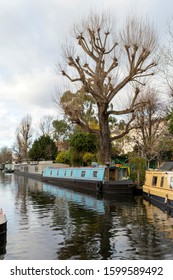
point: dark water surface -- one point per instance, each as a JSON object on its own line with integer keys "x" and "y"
{"x": 50, "y": 222}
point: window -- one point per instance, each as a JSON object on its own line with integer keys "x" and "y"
{"x": 83, "y": 173}
{"x": 162, "y": 182}
{"x": 65, "y": 173}
{"x": 36, "y": 168}
{"x": 95, "y": 173}
{"x": 57, "y": 172}
{"x": 154, "y": 181}
{"x": 171, "y": 183}
{"x": 71, "y": 173}
{"x": 51, "y": 172}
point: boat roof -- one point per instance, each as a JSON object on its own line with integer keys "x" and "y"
{"x": 75, "y": 167}
{"x": 167, "y": 166}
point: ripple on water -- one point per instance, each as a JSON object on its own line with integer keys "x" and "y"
{"x": 49, "y": 222}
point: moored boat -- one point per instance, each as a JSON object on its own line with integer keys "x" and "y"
{"x": 103, "y": 179}
{"x": 34, "y": 169}
{"x": 158, "y": 188}
{"x": 3, "y": 233}
{"x": 3, "y": 222}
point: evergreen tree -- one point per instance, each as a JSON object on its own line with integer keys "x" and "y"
{"x": 43, "y": 148}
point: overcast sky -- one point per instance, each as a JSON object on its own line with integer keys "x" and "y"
{"x": 31, "y": 32}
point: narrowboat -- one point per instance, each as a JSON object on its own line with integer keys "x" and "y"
{"x": 158, "y": 188}
{"x": 34, "y": 169}
{"x": 102, "y": 179}
{"x": 3, "y": 223}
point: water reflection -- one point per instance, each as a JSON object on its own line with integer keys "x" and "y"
{"x": 50, "y": 222}
{"x": 162, "y": 221}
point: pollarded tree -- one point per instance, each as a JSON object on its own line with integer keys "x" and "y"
{"x": 107, "y": 64}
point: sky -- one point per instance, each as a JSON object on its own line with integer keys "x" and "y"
{"x": 31, "y": 35}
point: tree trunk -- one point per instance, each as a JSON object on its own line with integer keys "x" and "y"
{"x": 105, "y": 142}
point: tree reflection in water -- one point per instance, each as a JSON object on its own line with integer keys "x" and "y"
{"x": 58, "y": 223}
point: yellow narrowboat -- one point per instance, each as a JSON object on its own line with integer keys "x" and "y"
{"x": 158, "y": 188}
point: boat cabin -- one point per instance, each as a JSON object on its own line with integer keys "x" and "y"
{"x": 158, "y": 188}
{"x": 117, "y": 172}
{"x": 103, "y": 173}
{"x": 159, "y": 179}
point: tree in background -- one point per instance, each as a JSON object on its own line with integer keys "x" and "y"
{"x": 170, "y": 121}
{"x": 5, "y": 155}
{"x": 83, "y": 148}
{"x": 44, "y": 148}
{"x": 45, "y": 125}
{"x": 63, "y": 157}
{"x": 150, "y": 125}
{"x": 79, "y": 107}
{"x": 62, "y": 132}
{"x": 138, "y": 168}
{"x": 107, "y": 64}
{"x": 23, "y": 139}
{"x": 167, "y": 57}
{"x": 167, "y": 69}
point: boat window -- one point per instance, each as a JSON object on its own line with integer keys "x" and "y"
{"x": 65, "y": 173}
{"x": 71, "y": 174}
{"x": 162, "y": 181}
{"x": 83, "y": 173}
{"x": 51, "y": 172}
{"x": 95, "y": 173}
{"x": 57, "y": 172}
{"x": 36, "y": 168}
{"x": 171, "y": 183}
{"x": 154, "y": 181}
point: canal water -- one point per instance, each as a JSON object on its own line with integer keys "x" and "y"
{"x": 47, "y": 222}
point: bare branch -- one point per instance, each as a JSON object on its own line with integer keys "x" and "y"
{"x": 99, "y": 75}
{"x": 126, "y": 130}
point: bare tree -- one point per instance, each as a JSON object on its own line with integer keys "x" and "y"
{"x": 167, "y": 63}
{"x": 5, "y": 155}
{"x": 150, "y": 125}
{"x": 23, "y": 138}
{"x": 45, "y": 125}
{"x": 106, "y": 64}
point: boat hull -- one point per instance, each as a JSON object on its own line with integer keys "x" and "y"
{"x": 110, "y": 187}
{"x": 3, "y": 238}
{"x": 3, "y": 228}
{"x": 120, "y": 187}
{"x": 27, "y": 174}
{"x": 162, "y": 202}
{"x": 3, "y": 232}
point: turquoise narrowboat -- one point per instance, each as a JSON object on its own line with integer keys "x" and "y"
{"x": 103, "y": 179}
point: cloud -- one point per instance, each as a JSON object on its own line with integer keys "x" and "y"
{"x": 31, "y": 33}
